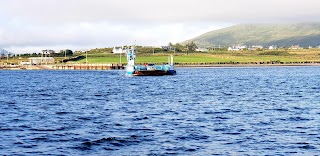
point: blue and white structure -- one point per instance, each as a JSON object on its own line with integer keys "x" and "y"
{"x": 131, "y": 57}
{"x": 171, "y": 70}
{"x": 147, "y": 69}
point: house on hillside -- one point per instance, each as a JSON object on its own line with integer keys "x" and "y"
{"x": 80, "y": 51}
{"x": 295, "y": 47}
{"x": 168, "y": 48}
{"x": 237, "y": 48}
{"x": 255, "y": 47}
{"x": 118, "y": 50}
{"x": 202, "y": 50}
{"x": 273, "y": 47}
{"x": 48, "y": 52}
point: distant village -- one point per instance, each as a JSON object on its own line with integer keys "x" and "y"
{"x": 118, "y": 50}
{"x": 252, "y": 48}
{"x": 272, "y": 47}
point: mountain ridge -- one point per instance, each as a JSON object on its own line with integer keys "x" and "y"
{"x": 4, "y": 52}
{"x": 303, "y": 34}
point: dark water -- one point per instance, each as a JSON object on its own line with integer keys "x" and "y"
{"x": 205, "y": 111}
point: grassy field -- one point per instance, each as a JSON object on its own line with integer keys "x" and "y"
{"x": 218, "y": 57}
{"x": 211, "y": 57}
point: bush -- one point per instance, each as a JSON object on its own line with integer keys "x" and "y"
{"x": 275, "y": 53}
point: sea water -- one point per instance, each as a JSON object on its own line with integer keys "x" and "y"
{"x": 199, "y": 111}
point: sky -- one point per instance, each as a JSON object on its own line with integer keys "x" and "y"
{"x": 28, "y": 26}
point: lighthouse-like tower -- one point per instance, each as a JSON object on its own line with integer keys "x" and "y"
{"x": 131, "y": 57}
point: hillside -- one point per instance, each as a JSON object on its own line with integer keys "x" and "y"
{"x": 304, "y": 34}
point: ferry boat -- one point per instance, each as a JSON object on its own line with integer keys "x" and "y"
{"x": 147, "y": 69}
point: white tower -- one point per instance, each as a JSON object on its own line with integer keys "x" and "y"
{"x": 131, "y": 57}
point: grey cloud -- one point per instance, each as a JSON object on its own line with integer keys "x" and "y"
{"x": 86, "y": 23}
{"x": 161, "y": 11}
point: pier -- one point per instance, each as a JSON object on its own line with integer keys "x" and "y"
{"x": 88, "y": 66}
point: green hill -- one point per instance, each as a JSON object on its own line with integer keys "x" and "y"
{"x": 304, "y": 34}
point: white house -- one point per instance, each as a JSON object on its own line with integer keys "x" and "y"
{"x": 255, "y": 47}
{"x": 25, "y": 63}
{"x": 273, "y": 47}
{"x": 233, "y": 49}
{"x": 48, "y": 51}
{"x": 118, "y": 50}
{"x": 237, "y": 48}
{"x": 202, "y": 49}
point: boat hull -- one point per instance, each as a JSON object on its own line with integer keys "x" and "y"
{"x": 154, "y": 72}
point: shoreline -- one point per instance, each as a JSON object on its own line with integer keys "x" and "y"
{"x": 52, "y": 67}
{"x": 247, "y": 65}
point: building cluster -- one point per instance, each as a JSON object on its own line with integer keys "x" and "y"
{"x": 260, "y": 47}
{"x": 118, "y": 50}
{"x": 295, "y": 47}
{"x": 44, "y": 59}
{"x": 251, "y": 48}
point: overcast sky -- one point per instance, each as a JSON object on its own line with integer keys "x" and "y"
{"x": 33, "y": 25}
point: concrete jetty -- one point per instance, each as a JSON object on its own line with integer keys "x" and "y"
{"x": 88, "y": 66}
{"x": 64, "y": 67}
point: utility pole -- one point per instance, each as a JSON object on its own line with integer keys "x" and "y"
{"x": 86, "y": 57}
{"x": 41, "y": 58}
{"x": 7, "y": 57}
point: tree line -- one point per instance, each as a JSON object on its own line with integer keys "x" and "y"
{"x": 61, "y": 53}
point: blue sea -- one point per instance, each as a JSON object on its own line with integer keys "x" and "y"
{"x": 199, "y": 111}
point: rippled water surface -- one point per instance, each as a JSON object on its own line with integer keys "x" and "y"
{"x": 199, "y": 111}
